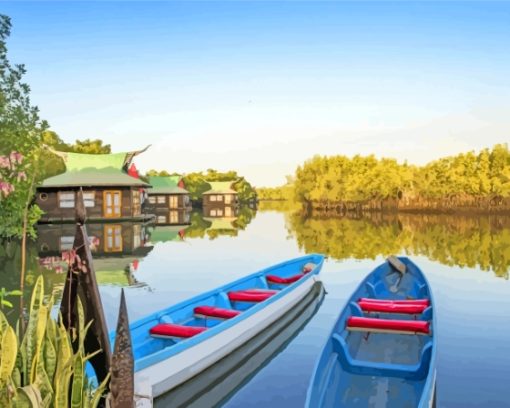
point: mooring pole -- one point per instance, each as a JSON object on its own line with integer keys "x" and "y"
{"x": 81, "y": 283}
{"x": 122, "y": 385}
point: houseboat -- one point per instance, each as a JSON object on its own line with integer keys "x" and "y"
{"x": 220, "y": 194}
{"x": 109, "y": 192}
{"x": 168, "y": 200}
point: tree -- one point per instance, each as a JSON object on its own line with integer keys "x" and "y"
{"x": 20, "y": 137}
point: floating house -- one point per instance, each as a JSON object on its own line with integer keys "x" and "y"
{"x": 168, "y": 200}
{"x": 220, "y": 194}
{"x": 109, "y": 192}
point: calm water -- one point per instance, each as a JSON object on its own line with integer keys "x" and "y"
{"x": 467, "y": 261}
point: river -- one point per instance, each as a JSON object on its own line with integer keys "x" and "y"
{"x": 466, "y": 259}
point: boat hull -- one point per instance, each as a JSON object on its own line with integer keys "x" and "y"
{"x": 377, "y": 369}
{"x": 154, "y": 378}
{"x": 215, "y": 385}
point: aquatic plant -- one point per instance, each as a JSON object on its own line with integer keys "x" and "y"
{"x": 47, "y": 367}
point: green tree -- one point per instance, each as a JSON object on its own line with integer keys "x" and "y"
{"x": 20, "y": 139}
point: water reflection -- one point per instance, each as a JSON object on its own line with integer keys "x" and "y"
{"x": 214, "y": 222}
{"x": 482, "y": 242}
{"x": 117, "y": 249}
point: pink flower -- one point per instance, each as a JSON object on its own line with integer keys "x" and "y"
{"x": 69, "y": 256}
{"x": 59, "y": 269}
{"x": 5, "y": 162}
{"x": 22, "y": 176}
{"x": 6, "y": 188}
{"x": 16, "y": 157}
{"x": 94, "y": 243}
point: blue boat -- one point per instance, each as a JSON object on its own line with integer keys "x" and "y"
{"x": 214, "y": 386}
{"x": 382, "y": 349}
{"x": 178, "y": 343}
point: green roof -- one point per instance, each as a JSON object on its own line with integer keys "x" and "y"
{"x": 166, "y": 185}
{"x": 94, "y": 170}
{"x": 166, "y": 234}
{"x": 224, "y": 223}
{"x": 220, "y": 187}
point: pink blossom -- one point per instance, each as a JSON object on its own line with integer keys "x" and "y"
{"x": 59, "y": 269}
{"x": 5, "y": 162}
{"x": 69, "y": 256}
{"x": 6, "y": 188}
{"x": 22, "y": 176}
{"x": 94, "y": 243}
{"x": 16, "y": 157}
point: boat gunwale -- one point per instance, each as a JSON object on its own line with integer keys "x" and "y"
{"x": 184, "y": 344}
{"x": 428, "y": 386}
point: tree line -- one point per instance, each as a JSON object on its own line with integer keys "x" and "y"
{"x": 340, "y": 183}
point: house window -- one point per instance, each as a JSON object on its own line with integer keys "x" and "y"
{"x": 219, "y": 212}
{"x": 173, "y": 201}
{"x": 66, "y": 243}
{"x": 66, "y": 199}
{"x": 161, "y": 219}
{"x": 111, "y": 204}
{"x": 228, "y": 198}
{"x": 152, "y": 199}
{"x": 137, "y": 236}
{"x": 174, "y": 217}
{"x": 113, "y": 238}
{"x": 89, "y": 198}
{"x": 43, "y": 196}
{"x": 137, "y": 207}
{"x": 212, "y": 213}
{"x": 161, "y": 199}
{"x": 212, "y": 197}
{"x": 219, "y": 197}
{"x": 228, "y": 212}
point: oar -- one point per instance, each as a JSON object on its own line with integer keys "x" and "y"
{"x": 399, "y": 267}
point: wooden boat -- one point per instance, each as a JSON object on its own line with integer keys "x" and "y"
{"x": 176, "y": 344}
{"x": 381, "y": 351}
{"x": 218, "y": 383}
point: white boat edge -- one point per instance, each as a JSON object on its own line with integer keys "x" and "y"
{"x": 161, "y": 377}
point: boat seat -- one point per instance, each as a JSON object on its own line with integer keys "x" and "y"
{"x": 170, "y": 330}
{"x": 215, "y": 312}
{"x": 243, "y": 296}
{"x": 284, "y": 281}
{"x": 266, "y": 291}
{"x": 367, "y": 324}
{"x": 425, "y": 302}
{"x": 385, "y": 307}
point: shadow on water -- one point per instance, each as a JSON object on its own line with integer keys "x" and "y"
{"x": 214, "y": 386}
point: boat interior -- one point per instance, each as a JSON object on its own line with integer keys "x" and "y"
{"x": 381, "y": 347}
{"x": 179, "y": 326}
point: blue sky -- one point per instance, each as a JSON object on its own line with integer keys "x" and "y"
{"x": 261, "y": 86}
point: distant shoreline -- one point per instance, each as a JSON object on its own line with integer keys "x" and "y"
{"x": 341, "y": 209}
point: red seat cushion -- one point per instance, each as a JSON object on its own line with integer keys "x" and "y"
{"x": 175, "y": 330}
{"x": 290, "y": 279}
{"x": 211, "y": 311}
{"x": 425, "y": 302}
{"x": 242, "y": 296}
{"x": 392, "y": 307}
{"x": 266, "y": 291}
{"x": 412, "y": 326}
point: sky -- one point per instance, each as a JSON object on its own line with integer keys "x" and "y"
{"x": 260, "y": 87}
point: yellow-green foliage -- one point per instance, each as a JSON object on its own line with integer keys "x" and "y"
{"x": 40, "y": 370}
{"x": 474, "y": 242}
{"x": 360, "y": 179}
